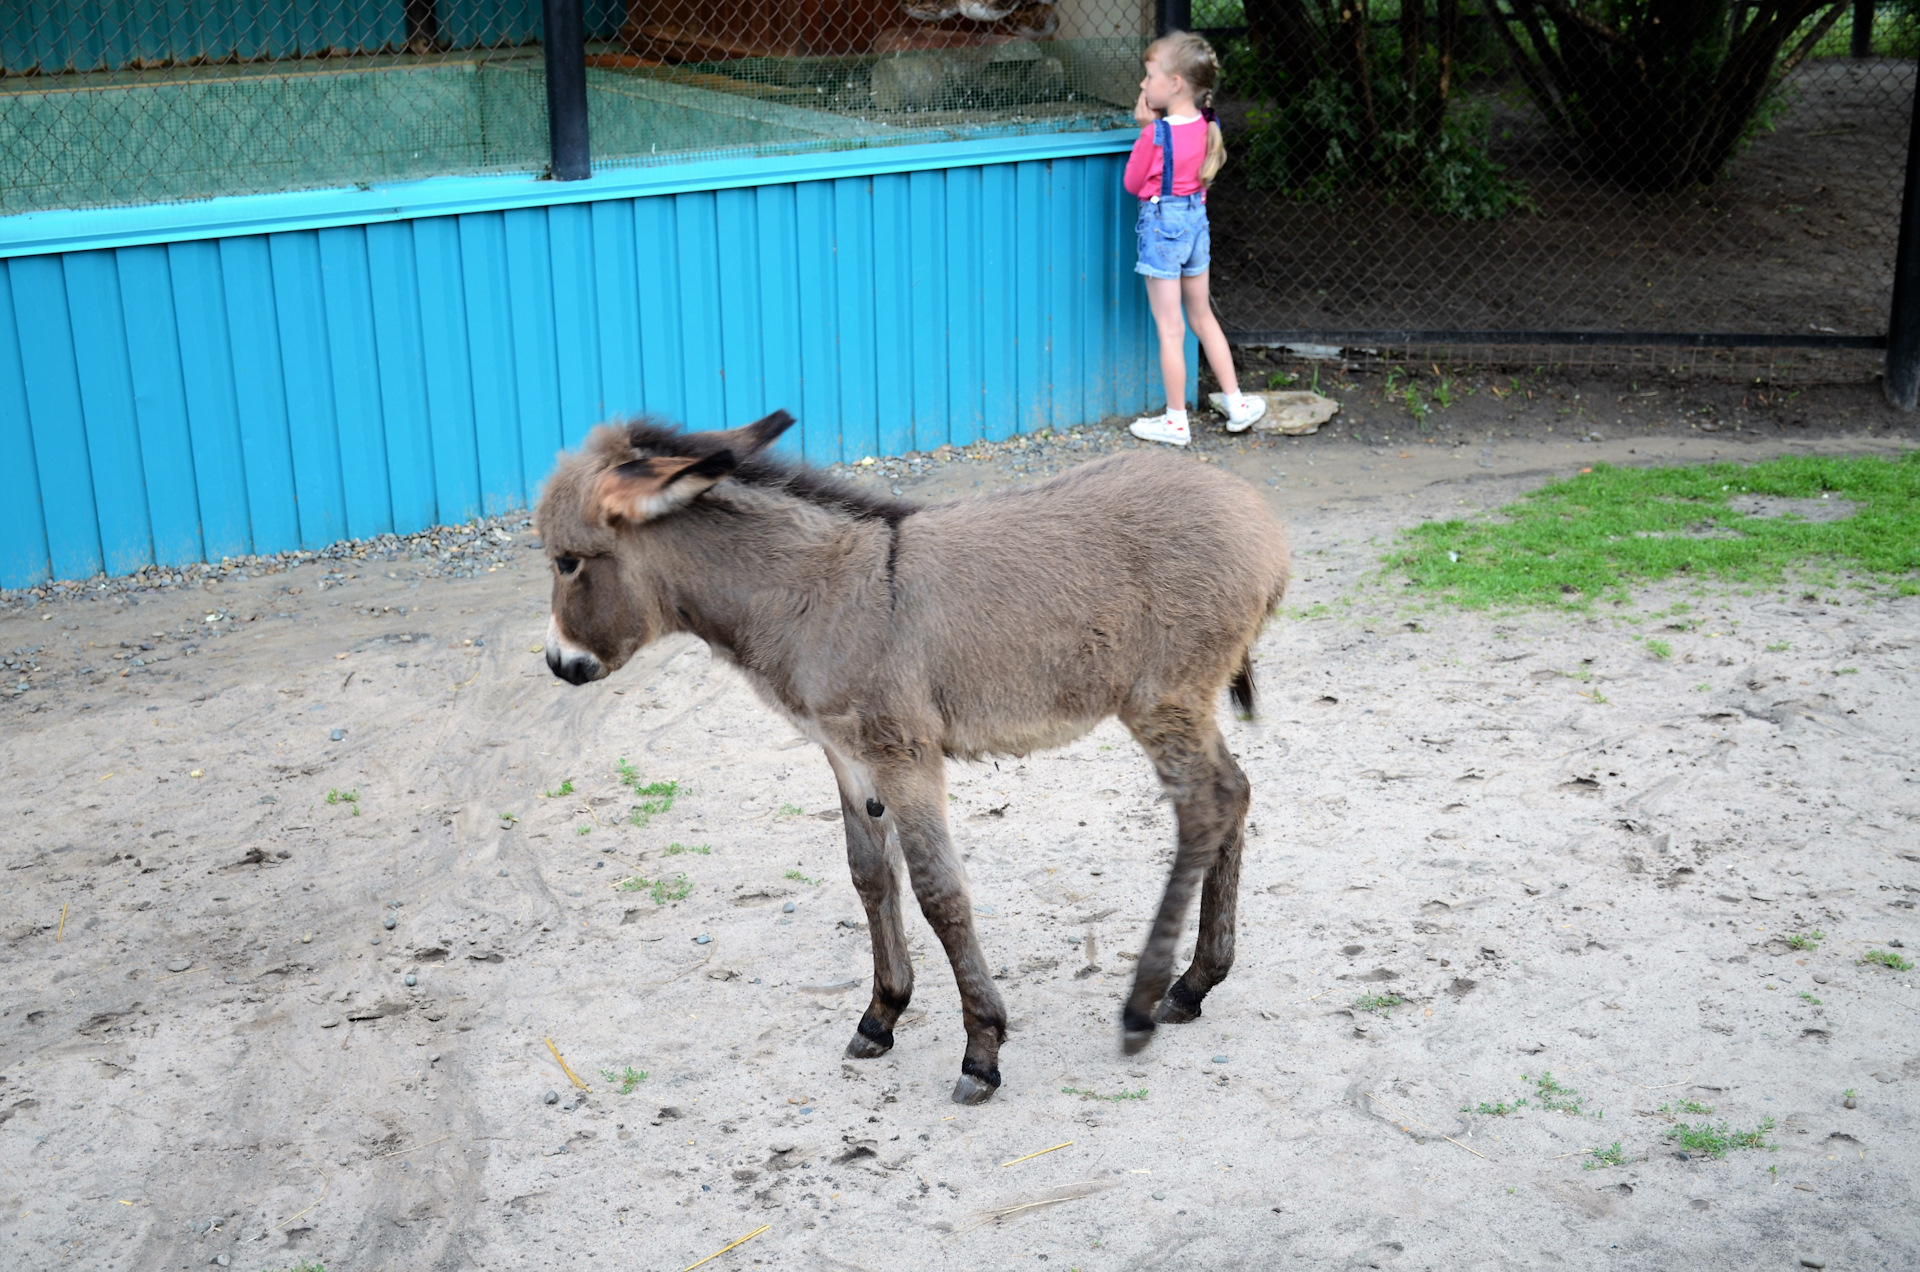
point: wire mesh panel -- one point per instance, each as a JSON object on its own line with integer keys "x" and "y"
{"x": 155, "y": 100}
{"x": 1543, "y": 166}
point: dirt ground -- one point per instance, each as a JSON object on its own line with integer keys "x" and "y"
{"x": 1563, "y": 855}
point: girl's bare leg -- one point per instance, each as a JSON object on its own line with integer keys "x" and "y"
{"x": 1213, "y": 341}
{"x": 1163, "y": 298}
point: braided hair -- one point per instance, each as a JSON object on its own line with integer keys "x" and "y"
{"x": 1190, "y": 57}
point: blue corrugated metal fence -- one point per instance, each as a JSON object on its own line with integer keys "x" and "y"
{"x": 179, "y": 401}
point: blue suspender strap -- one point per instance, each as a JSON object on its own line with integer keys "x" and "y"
{"x": 1163, "y": 138}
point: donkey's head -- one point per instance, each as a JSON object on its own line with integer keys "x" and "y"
{"x": 596, "y": 516}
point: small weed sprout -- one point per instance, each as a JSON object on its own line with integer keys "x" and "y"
{"x": 584, "y": 828}
{"x": 679, "y": 890}
{"x": 1602, "y": 1158}
{"x": 626, "y": 1079}
{"x": 564, "y": 789}
{"x": 1383, "y": 1003}
{"x": 349, "y": 798}
{"x": 1280, "y": 379}
{"x": 792, "y": 810}
{"x": 1499, "y": 1108}
{"x": 1703, "y": 688}
{"x": 1554, "y": 1098}
{"x": 1779, "y": 646}
{"x": 655, "y": 797}
{"x": 508, "y": 819}
{"x": 1085, "y": 1094}
{"x": 1805, "y": 940}
{"x": 1716, "y": 1142}
{"x": 797, "y": 877}
{"x": 1660, "y": 649}
{"x": 1691, "y": 1107}
{"x": 674, "y": 850}
{"x": 1888, "y": 959}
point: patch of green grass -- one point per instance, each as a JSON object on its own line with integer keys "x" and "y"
{"x": 508, "y": 819}
{"x": 1887, "y": 958}
{"x": 792, "y": 810}
{"x": 674, "y": 850}
{"x": 655, "y": 797}
{"x": 1594, "y": 536}
{"x": 307, "y": 1265}
{"x": 1602, "y": 1158}
{"x": 1847, "y": 671}
{"x": 565, "y": 788}
{"x": 1085, "y": 1094}
{"x": 1806, "y": 940}
{"x": 584, "y": 828}
{"x": 1377, "y": 1002}
{"x": 1692, "y": 1108}
{"x": 1779, "y": 646}
{"x": 661, "y": 890}
{"x": 1550, "y": 1095}
{"x": 349, "y": 798}
{"x": 1499, "y": 1108}
{"x": 1809, "y": 998}
{"x": 1660, "y": 649}
{"x": 626, "y": 1079}
{"x": 1717, "y": 1141}
{"x": 797, "y": 877}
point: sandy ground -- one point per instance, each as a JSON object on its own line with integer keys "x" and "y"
{"x": 1564, "y": 855}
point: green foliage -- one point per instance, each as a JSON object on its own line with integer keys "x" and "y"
{"x": 655, "y": 797}
{"x": 626, "y": 1079}
{"x": 1660, "y": 649}
{"x": 792, "y": 810}
{"x": 1691, "y": 1108}
{"x": 1085, "y": 1094}
{"x": 1550, "y": 1095}
{"x": 674, "y": 850}
{"x": 1809, "y": 998}
{"x": 1595, "y": 535}
{"x": 661, "y": 890}
{"x": 1602, "y": 1158}
{"x": 1887, "y": 958}
{"x": 1499, "y": 1108}
{"x": 1717, "y": 1141}
{"x": 1806, "y": 940}
{"x": 1384, "y": 1003}
{"x": 797, "y": 877}
{"x": 565, "y": 788}
{"x": 584, "y": 828}
{"x": 349, "y": 798}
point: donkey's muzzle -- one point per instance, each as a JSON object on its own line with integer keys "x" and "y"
{"x": 575, "y": 666}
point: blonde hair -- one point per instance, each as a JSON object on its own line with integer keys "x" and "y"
{"x": 1190, "y": 57}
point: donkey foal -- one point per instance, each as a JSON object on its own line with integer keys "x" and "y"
{"x": 898, "y": 635}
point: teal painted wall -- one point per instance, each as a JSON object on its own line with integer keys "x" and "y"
{"x": 179, "y": 401}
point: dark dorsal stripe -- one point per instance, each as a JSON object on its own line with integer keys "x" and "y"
{"x": 767, "y": 473}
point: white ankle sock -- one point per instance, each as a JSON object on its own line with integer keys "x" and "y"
{"x": 1176, "y": 418}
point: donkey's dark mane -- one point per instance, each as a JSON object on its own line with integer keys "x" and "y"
{"x": 798, "y": 480}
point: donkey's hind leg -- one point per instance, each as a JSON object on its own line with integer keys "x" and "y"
{"x": 1210, "y": 796}
{"x": 876, "y": 877}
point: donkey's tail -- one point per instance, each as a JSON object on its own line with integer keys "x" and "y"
{"x": 1242, "y": 687}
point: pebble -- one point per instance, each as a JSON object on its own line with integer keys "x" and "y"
{"x": 179, "y": 964}
{"x": 551, "y": 1097}
{"x": 330, "y": 1022}
{"x": 389, "y": 922}
{"x": 412, "y": 980}
{"x": 1819, "y": 978}
{"x": 220, "y": 1259}
{"x": 1219, "y": 1059}
{"x": 376, "y": 940}
{"x": 701, "y": 939}
{"x": 1159, "y": 1196}
{"x": 434, "y": 1058}
{"x": 788, "y": 908}
{"x": 336, "y": 735}
{"x": 806, "y": 1109}
{"x": 1812, "y": 1261}
{"x": 306, "y": 938}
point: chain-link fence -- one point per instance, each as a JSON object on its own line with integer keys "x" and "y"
{"x": 1413, "y": 172}
{"x": 153, "y": 100}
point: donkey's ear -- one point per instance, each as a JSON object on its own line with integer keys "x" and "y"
{"x": 750, "y": 439}
{"x": 642, "y": 489}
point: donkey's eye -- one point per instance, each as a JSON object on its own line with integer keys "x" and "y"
{"x": 566, "y": 565}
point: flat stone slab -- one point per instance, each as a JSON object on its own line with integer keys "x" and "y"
{"x": 1292, "y": 412}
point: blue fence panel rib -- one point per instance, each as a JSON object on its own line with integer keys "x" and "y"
{"x": 576, "y": 331}
{"x": 394, "y": 292}
{"x": 23, "y": 527}
{"x": 213, "y": 412}
{"x": 780, "y": 315}
{"x": 347, "y": 287}
{"x": 536, "y": 367}
{"x": 160, "y": 404}
{"x": 106, "y": 398}
{"x": 39, "y": 296}
{"x": 253, "y": 392}
{"x": 490, "y": 344}
{"x": 815, "y": 278}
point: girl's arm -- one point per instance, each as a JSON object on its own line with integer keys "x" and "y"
{"x": 1142, "y": 178}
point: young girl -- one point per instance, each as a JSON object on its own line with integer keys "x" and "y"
{"x": 1178, "y": 153}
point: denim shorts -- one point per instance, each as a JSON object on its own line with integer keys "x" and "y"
{"x": 1174, "y": 239}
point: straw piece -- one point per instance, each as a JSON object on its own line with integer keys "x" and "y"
{"x": 571, "y": 1075}
{"x": 1030, "y": 1156}
{"x": 325, "y": 1183}
{"x": 414, "y": 1148}
{"x": 63, "y": 925}
{"x": 1423, "y": 1126}
{"x": 1052, "y": 1197}
{"x": 723, "y": 1249}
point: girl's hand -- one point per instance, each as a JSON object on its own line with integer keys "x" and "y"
{"x": 1144, "y": 114}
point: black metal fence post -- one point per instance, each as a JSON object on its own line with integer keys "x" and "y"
{"x": 1862, "y": 28}
{"x": 1172, "y": 15}
{"x": 565, "y": 41}
{"x": 1902, "y": 380}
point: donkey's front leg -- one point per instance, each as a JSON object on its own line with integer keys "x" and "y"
{"x": 876, "y": 877}
{"x": 913, "y": 805}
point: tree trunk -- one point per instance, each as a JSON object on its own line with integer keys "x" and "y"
{"x": 1284, "y": 34}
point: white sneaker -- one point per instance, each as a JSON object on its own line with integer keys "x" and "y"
{"x": 1242, "y": 410}
{"x": 1158, "y": 428}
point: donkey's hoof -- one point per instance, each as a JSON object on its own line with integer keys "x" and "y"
{"x": 1180, "y": 1006}
{"x": 1136, "y": 1031}
{"x": 865, "y": 1048}
{"x": 972, "y": 1090}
